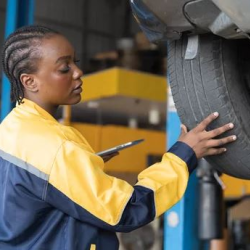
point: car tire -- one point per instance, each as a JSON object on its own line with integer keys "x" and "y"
{"x": 217, "y": 79}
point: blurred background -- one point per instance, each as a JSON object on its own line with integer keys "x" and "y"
{"x": 104, "y": 33}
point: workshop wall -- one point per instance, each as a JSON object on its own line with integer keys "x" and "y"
{"x": 92, "y": 26}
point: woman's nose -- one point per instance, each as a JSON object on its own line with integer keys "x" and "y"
{"x": 77, "y": 73}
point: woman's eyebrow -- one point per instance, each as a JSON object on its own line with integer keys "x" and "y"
{"x": 63, "y": 58}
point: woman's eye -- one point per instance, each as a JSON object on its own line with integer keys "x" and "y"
{"x": 65, "y": 70}
{"x": 76, "y": 60}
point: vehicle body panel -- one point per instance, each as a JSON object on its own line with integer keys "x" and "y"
{"x": 167, "y": 20}
{"x": 238, "y": 11}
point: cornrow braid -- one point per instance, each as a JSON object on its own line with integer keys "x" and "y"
{"x": 20, "y": 54}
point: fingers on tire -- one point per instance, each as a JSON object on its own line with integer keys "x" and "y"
{"x": 221, "y": 142}
{"x": 220, "y": 130}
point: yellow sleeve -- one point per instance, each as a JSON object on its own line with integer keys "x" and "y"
{"x": 79, "y": 187}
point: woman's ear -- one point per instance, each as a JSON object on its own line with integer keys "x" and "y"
{"x": 29, "y": 82}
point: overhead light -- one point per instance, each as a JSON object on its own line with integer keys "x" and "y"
{"x": 133, "y": 122}
{"x": 154, "y": 116}
{"x": 93, "y": 104}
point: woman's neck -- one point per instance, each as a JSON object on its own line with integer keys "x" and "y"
{"x": 50, "y": 108}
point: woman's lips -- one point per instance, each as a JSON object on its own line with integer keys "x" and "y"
{"x": 78, "y": 90}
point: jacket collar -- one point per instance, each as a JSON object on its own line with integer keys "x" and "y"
{"x": 32, "y": 107}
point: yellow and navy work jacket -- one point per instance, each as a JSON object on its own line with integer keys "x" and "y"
{"x": 54, "y": 194}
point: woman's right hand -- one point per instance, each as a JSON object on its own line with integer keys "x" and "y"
{"x": 202, "y": 141}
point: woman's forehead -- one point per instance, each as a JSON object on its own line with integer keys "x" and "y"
{"x": 57, "y": 46}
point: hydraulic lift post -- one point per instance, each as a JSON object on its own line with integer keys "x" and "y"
{"x": 181, "y": 221}
{"x": 18, "y": 14}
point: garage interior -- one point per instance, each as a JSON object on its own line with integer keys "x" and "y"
{"x": 127, "y": 97}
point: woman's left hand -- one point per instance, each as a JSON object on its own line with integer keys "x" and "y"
{"x": 109, "y": 157}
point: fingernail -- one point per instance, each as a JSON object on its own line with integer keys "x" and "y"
{"x": 225, "y": 149}
{"x": 234, "y": 137}
{"x": 216, "y": 114}
{"x": 231, "y": 125}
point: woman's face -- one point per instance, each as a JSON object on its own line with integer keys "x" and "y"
{"x": 58, "y": 78}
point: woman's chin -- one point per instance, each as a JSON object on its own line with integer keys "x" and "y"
{"x": 75, "y": 100}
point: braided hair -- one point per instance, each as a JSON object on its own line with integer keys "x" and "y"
{"x": 20, "y": 54}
